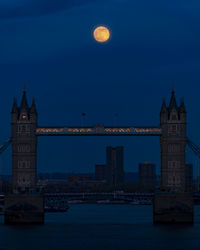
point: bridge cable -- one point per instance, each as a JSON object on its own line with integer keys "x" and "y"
{"x": 4, "y": 146}
{"x": 196, "y": 151}
{"x": 194, "y": 147}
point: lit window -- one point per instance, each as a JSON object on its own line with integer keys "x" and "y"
{"x": 24, "y": 117}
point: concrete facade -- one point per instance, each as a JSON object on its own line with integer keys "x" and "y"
{"x": 24, "y": 209}
{"x": 147, "y": 175}
{"x": 173, "y": 208}
{"x": 172, "y": 144}
{"x": 174, "y": 205}
{"x": 24, "y": 145}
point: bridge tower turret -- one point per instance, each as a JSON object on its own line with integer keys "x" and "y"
{"x": 173, "y": 143}
{"x": 24, "y": 144}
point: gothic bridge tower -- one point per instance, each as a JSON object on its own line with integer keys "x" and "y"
{"x": 24, "y": 144}
{"x": 173, "y": 143}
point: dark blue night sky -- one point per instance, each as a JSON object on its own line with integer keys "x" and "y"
{"x": 49, "y": 45}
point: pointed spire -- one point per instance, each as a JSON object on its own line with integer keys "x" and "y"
{"x": 24, "y": 103}
{"x": 33, "y": 106}
{"x": 164, "y": 107}
{"x": 24, "y": 87}
{"x": 172, "y": 103}
{"x": 173, "y": 87}
{"x": 14, "y": 107}
{"x": 182, "y": 106}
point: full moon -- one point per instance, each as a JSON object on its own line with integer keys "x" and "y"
{"x": 101, "y": 34}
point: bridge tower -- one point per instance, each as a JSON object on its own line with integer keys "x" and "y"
{"x": 24, "y": 144}
{"x": 173, "y": 143}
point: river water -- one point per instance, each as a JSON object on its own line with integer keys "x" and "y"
{"x": 89, "y": 226}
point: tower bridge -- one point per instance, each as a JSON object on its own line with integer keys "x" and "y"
{"x": 172, "y": 133}
{"x": 173, "y": 140}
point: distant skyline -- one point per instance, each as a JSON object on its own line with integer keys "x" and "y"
{"x": 49, "y": 46}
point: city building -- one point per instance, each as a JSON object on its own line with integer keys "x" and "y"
{"x": 78, "y": 178}
{"x": 83, "y": 183}
{"x": 114, "y": 165}
{"x": 147, "y": 175}
{"x": 100, "y": 172}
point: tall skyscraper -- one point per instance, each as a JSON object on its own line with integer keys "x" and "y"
{"x": 114, "y": 165}
{"x": 147, "y": 175}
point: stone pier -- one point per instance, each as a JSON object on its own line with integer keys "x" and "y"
{"x": 24, "y": 209}
{"x": 173, "y": 208}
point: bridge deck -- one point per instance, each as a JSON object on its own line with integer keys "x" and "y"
{"x": 98, "y": 131}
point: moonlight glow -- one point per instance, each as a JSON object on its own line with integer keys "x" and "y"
{"x": 101, "y": 34}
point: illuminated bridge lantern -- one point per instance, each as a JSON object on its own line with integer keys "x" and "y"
{"x": 95, "y": 131}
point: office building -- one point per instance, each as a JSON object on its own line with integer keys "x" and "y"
{"x": 147, "y": 176}
{"x": 114, "y": 165}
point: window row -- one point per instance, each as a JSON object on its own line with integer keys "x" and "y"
{"x": 174, "y": 148}
{"x": 174, "y": 164}
{"x": 23, "y": 148}
{"x": 24, "y": 128}
{"x": 174, "y": 180}
{"x": 24, "y": 164}
{"x": 25, "y": 179}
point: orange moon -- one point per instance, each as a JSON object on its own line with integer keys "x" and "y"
{"x": 101, "y": 34}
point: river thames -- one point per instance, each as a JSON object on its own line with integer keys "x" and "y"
{"x": 95, "y": 227}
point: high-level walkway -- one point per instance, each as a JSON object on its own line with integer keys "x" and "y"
{"x": 98, "y": 131}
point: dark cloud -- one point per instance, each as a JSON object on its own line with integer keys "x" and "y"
{"x": 29, "y": 8}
